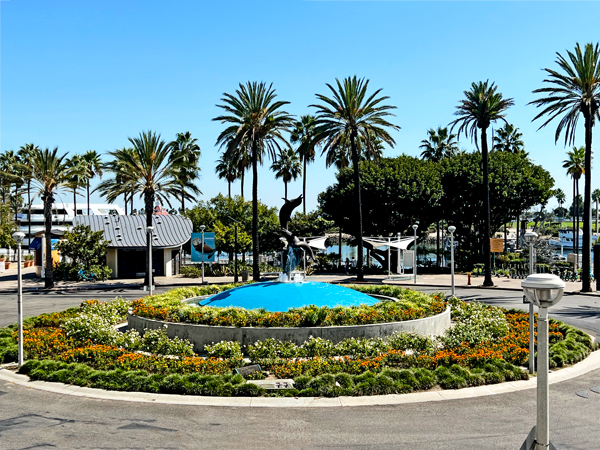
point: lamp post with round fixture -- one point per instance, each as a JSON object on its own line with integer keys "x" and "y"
{"x": 543, "y": 290}
{"x": 414, "y": 227}
{"x": 452, "y": 229}
{"x": 530, "y": 238}
{"x": 202, "y": 228}
{"x": 18, "y": 237}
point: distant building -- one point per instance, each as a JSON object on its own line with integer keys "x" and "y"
{"x": 126, "y": 254}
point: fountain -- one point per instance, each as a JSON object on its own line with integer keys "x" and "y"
{"x": 290, "y": 290}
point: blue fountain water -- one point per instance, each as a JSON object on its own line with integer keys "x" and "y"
{"x": 293, "y": 259}
{"x": 276, "y": 296}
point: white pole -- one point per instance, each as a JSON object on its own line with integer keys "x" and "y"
{"x": 202, "y": 255}
{"x": 543, "y": 397}
{"x": 150, "y": 280}
{"x": 389, "y": 256}
{"x": 452, "y": 263}
{"x": 20, "y": 303}
{"x": 415, "y": 258}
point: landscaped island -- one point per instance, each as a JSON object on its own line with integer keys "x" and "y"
{"x": 485, "y": 345}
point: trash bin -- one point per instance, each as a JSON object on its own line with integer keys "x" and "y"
{"x": 244, "y": 275}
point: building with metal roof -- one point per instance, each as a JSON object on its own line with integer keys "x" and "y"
{"x": 126, "y": 253}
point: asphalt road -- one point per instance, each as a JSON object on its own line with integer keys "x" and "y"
{"x": 31, "y": 419}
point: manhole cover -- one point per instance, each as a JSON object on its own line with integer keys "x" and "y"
{"x": 583, "y": 394}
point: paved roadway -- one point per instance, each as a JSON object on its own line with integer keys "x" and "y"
{"x": 31, "y": 419}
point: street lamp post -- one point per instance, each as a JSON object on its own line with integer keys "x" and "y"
{"x": 452, "y": 229}
{"x": 530, "y": 238}
{"x": 543, "y": 290}
{"x": 18, "y": 237}
{"x": 414, "y": 227}
{"x": 149, "y": 230}
{"x": 202, "y": 228}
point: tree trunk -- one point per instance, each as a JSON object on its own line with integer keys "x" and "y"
{"x": 88, "y": 197}
{"x": 596, "y": 216}
{"x": 340, "y": 246}
{"x": 574, "y": 226}
{"x": 229, "y": 189}
{"x": 505, "y": 239}
{"x": 359, "y": 232}
{"x": 285, "y": 184}
{"x": 255, "y": 249}
{"x": 437, "y": 245}
{"x": 149, "y": 209}
{"x": 517, "y": 232}
{"x": 75, "y": 201}
{"x": 29, "y": 210}
{"x": 304, "y": 187}
{"x": 182, "y": 201}
{"x": 587, "y": 210}
{"x": 125, "y": 202}
{"x": 486, "y": 206}
{"x": 242, "y": 184}
{"x": 48, "y": 272}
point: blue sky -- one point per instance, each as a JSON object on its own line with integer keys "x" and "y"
{"x": 88, "y": 75}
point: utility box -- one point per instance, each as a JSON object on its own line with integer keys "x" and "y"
{"x": 596, "y": 249}
{"x": 572, "y": 257}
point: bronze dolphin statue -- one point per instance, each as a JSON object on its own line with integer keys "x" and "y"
{"x": 285, "y": 213}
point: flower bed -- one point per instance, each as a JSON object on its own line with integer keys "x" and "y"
{"x": 486, "y": 345}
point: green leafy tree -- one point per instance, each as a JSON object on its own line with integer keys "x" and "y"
{"x": 574, "y": 90}
{"x": 186, "y": 156}
{"x": 86, "y": 250}
{"x": 508, "y": 139}
{"x": 50, "y": 172}
{"x": 287, "y": 167}
{"x": 255, "y": 121}
{"x": 7, "y": 227}
{"x": 311, "y": 224}
{"x": 439, "y": 144}
{"x": 351, "y": 116}
{"x": 303, "y": 134}
{"x": 482, "y": 106}
{"x": 575, "y": 165}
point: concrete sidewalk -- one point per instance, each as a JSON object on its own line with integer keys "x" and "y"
{"x": 8, "y": 282}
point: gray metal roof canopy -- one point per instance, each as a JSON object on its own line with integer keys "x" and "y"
{"x": 130, "y": 231}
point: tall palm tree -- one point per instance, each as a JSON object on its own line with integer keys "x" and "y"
{"x": 508, "y": 139}
{"x": 482, "y": 106}
{"x": 94, "y": 165}
{"x": 51, "y": 173}
{"x": 596, "y": 198}
{"x": 560, "y": 197}
{"x": 575, "y": 165}
{"x": 26, "y": 153}
{"x": 123, "y": 182}
{"x": 352, "y": 116}
{"x": 304, "y": 134}
{"x": 78, "y": 169}
{"x": 187, "y": 152}
{"x": 287, "y": 167}
{"x": 439, "y": 144}
{"x": 574, "y": 90}
{"x": 255, "y": 121}
{"x": 341, "y": 155}
{"x": 228, "y": 170}
{"x": 153, "y": 172}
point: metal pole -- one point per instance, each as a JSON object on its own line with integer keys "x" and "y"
{"x": 202, "y": 256}
{"x": 150, "y": 277}
{"x": 415, "y": 258}
{"x": 235, "y": 271}
{"x": 452, "y": 263}
{"x": 389, "y": 256}
{"x": 20, "y": 304}
{"x": 543, "y": 397}
{"x": 531, "y": 339}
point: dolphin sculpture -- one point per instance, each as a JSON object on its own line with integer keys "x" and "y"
{"x": 294, "y": 242}
{"x": 285, "y": 213}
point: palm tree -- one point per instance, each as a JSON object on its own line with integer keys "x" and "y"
{"x": 26, "y": 153}
{"x": 560, "y": 197}
{"x": 438, "y": 145}
{"x": 575, "y": 90}
{"x": 187, "y": 151}
{"x": 123, "y": 182}
{"x": 575, "y": 166}
{"x": 78, "y": 169}
{"x": 287, "y": 167}
{"x": 508, "y": 139}
{"x": 483, "y": 105}
{"x": 227, "y": 169}
{"x": 51, "y": 173}
{"x": 596, "y": 198}
{"x": 256, "y": 122}
{"x": 304, "y": 134}
{"x": 91, "y": 159}
{"x": 153, "y": 172}
{"x": 352, "y": 117}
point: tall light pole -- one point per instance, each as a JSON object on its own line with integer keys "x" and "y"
{"x": 544, "y": 290}
{"x": 202, "y": 228}
{"x": 414, "y": 227}
{"x": 452, "y": 229}
{"x": 18, "y": 237}
{"x": 149, "y": 231}
{"x": 530, "y": 238}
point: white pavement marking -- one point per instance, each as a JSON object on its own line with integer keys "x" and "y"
{"x": 592, "y": 362}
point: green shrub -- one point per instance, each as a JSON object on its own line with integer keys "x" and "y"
{"x": 224, "y": 349}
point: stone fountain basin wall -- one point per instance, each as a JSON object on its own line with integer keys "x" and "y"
{"x": 201, "y": 335}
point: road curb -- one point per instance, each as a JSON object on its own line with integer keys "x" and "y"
{"x": 592, "y": 362}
